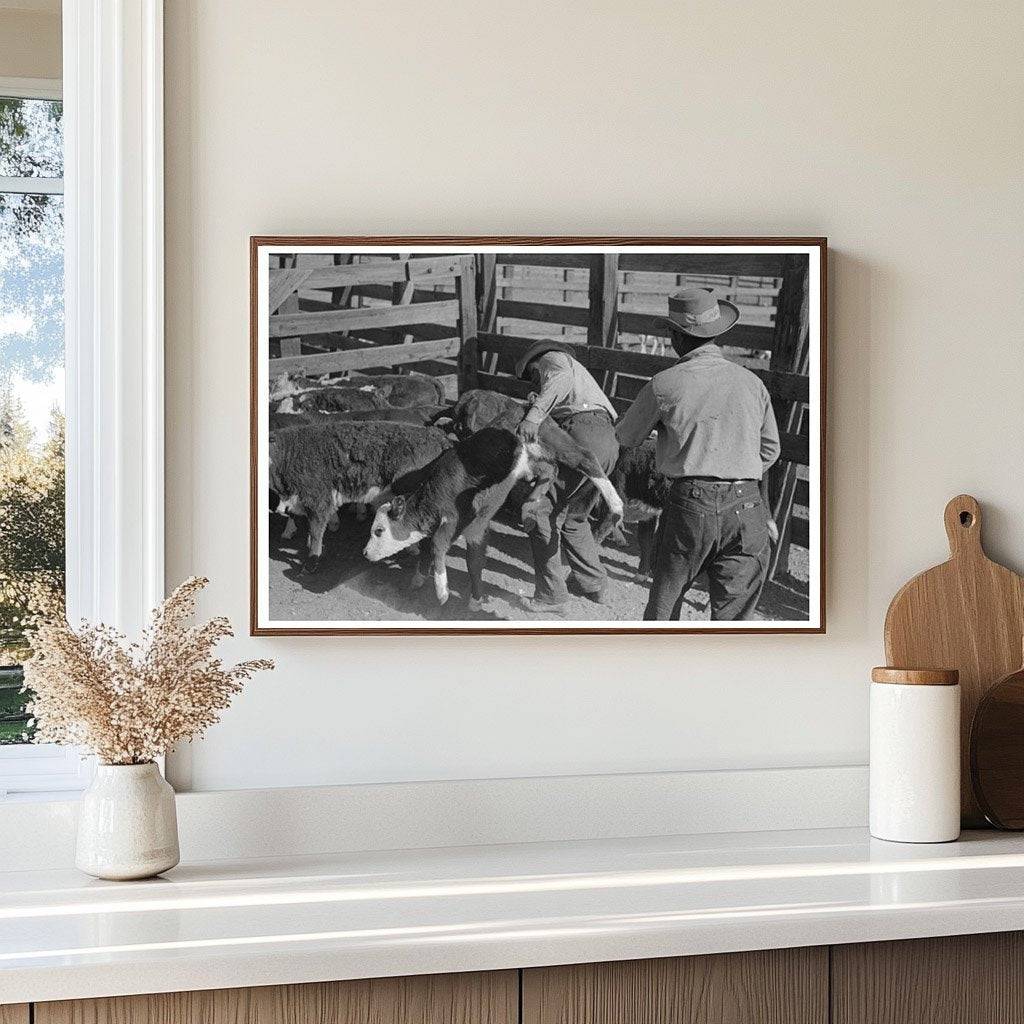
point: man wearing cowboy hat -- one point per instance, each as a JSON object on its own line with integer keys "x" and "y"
{"x": 560, "y": 519}
{"x": 717, "y": 438}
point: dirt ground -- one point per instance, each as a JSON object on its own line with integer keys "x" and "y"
{"x": 348, "y": 588}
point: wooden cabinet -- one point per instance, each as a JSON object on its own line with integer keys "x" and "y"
{"x": 777, "y": 986}
{"x": 971, "y": 979}
{"x": 491, "y": 998}
{"x": 962, "y": 979}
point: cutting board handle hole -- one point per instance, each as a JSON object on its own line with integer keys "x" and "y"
{"x": 966, "y": 519}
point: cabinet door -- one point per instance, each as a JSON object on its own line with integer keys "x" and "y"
{"x": 14, "y": 1013}
{"x": 778, "y": 986}
{"x": 962, "y": 979}
{"x": 482, "y": 998}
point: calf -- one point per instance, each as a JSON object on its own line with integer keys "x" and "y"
{"x": 422, "y": 415}
{"x": 457, "y": 495}
{"x": 316, "y": 469}
{"x": 478, "y": 408}
{"x": 285, "y": 385}
{"x": 460, "y": 493}
{"x": 644, "y": 491}
{"x": 294, "y": 394}
{"x": 405, "y": 390}
{"x": 333, "y": 400}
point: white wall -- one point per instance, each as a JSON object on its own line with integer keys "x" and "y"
{"x": 895, "y": 129}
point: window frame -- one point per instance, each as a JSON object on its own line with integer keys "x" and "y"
{"x": 48, "y": 89}
{"x": 112, "y": 90}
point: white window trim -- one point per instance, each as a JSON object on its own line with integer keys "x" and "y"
{"x": 114, "y": 308}
{"x": 32, "y": 186}
{"x": 114, "y": 323}
{"x": 44, "y": 770}
{"x": 31, "y": 88}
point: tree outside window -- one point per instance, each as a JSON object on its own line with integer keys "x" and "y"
{"x": 31, "y": 386}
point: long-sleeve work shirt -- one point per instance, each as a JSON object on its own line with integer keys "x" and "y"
{"x": 714, "y": 418}
{"x": 566, "y": 387}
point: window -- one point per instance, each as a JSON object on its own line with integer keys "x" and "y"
{"x": 32, "y": 561}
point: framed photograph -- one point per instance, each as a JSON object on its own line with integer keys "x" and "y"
{"x": 537, "y": 435}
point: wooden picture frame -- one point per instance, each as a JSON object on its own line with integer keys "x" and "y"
{"x": 400, "y": 322}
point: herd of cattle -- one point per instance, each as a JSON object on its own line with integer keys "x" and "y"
{"x": 431, "y": 471}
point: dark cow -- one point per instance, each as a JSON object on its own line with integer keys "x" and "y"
{"x": 355, "y": 394}
{"x": 318, "y": 468}
{"x": 460, "y": 493}
{"x": 403, "y": 391}
{"x": 283, "y": 420}
{"x": 334, "y": 399}
{"x": 422, "y": 415}
{"x": 478, "y": 408}
{"x": 644, "y": 491}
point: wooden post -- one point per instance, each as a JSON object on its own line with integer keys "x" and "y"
{"x": 487, "y": 299}
{"x": 603, "y": 328}
{"x": 603, "y": 296}
{"x": 782, "y": 513}
{"x": 340, "y": 297}
{"x": 290, "y": 346}
{"x": 487, "y": 291}
{"x": 789, "y": 353}
{"x": 401, "y": 295}
{"x": 465, "y": 287}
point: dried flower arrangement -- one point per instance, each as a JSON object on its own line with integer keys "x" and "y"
{"x": 129, "y": 703}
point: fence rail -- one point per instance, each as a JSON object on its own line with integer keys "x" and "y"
{"x": 726, "y": 263}
{"x": 369, "y": 357}
{"x": 288, "y": 325}
{"x": 285, "y": 280}
{"x": 792, "y": 387}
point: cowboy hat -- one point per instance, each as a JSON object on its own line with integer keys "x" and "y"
{"x": 537, "y": 349}
{"x": 696, "y": 311}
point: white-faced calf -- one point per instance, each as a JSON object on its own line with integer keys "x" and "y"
{"x": 460, "y": 493}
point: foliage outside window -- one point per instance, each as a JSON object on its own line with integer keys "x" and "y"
{"x": 31, "y": 386}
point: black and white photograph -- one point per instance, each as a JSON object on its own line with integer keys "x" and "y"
{"x": 537, "y": 435}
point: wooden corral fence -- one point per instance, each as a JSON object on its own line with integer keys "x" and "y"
{"x": 355, "y": 316}
{"x": 476, "y": 314}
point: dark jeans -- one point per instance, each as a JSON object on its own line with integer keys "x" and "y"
{"x": 570, "y": 500}
{"x": 717, "y": 525}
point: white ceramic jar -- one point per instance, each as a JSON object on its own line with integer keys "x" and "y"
{"x": 127, "y": 825}
{"x": 915, "y": 755}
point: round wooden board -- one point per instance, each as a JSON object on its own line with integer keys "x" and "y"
{"x": 997, "y": 752}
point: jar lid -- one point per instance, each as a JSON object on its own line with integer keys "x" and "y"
{"x": 916, "y": 676}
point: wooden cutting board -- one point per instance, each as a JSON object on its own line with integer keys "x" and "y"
{"x": 967, "y": 614}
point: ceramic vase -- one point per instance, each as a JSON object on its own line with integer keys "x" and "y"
{"x": 127, "y": 825}
{"x": 915, "y": 755}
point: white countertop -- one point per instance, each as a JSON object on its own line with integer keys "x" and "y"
{"x": 261, "y": 922}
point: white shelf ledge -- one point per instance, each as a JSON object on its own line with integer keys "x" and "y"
{"x": 353, "y": 915}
